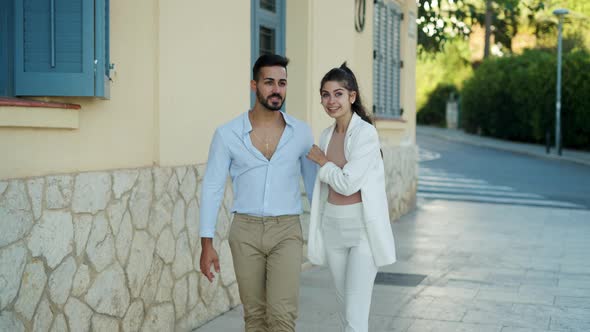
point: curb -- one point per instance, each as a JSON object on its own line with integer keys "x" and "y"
{"x": 509, "y": 149}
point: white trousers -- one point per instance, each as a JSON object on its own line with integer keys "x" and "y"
{"x": 351, "y": 263}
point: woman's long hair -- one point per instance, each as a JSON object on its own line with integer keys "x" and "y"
{"x": 346, "y": 77}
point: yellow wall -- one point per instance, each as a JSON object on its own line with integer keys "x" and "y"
{"x": 403, "y": 130}
{"x": 183, "y": 68}
{"x": 112, "y": 133}
{"x": 204, "y": 76}
{"x": 320, "y": 36}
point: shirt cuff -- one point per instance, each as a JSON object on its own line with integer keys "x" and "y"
{"x": 207, "y": 233}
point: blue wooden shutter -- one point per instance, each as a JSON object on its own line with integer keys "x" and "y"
{"x": 101, "y": 49}
{"x": 54, "y": 41}
{"x": 386, "y": 59}
{"x": 6, "y": 48}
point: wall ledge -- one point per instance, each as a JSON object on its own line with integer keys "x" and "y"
{"x": 390, "y": 124}
{"x": 21, "y": 113}
{"x": 18, "y": 102}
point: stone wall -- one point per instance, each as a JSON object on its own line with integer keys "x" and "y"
{"x": 119, "y": 250}
{"x": 108, "y": 251}
{"x": 401, "y": 174}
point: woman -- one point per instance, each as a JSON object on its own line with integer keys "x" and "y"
{"x": 349, "y": 225}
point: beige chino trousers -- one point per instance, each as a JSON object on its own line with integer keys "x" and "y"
{"x": 267, "y": 253}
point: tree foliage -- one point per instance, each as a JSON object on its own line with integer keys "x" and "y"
{"x": 442, "y": 20}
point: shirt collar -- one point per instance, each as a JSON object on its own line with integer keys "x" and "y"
{"x": 247, "y": 126}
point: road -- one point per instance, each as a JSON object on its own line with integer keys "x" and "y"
{"x": 456, "y": 171}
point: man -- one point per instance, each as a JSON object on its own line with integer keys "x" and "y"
{"x": 264, "y": 151}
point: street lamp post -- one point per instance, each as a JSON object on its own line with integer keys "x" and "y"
{"x": 560, "y": 13}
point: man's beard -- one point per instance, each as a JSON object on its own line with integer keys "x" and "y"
{"x": 268, "y": 105}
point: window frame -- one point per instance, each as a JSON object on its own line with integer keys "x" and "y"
{"x": 95, "y": 53}
{"x": 387, "y": 63}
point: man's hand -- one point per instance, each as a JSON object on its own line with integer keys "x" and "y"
{"x": 317, "y": 155}
{"x": 208, "y": 256}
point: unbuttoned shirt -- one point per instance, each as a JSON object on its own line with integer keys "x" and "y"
{"x": 261, "y": 187}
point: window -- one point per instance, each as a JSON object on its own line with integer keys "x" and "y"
{"x": 268, "y": 29}
{"x": 270, "y": 5}
{"x": 386, "y": 60}
{"x": 58, "y": 48}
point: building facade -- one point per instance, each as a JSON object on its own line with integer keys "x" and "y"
{"x": 107, "y": 109}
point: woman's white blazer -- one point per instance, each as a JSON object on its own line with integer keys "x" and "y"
{"x": 363, "y": 171}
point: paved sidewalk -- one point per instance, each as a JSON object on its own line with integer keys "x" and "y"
{"x": 487, "y": 268}
{"x": 535, "y": 150}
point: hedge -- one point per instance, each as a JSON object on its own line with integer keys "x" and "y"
{"x": 434, "y": 111}
{"x": 514, "y": 98}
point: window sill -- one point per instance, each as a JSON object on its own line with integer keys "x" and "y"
{"x": 23, "y": 113}
{"x": 390, "y": 123}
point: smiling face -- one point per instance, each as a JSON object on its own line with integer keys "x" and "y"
{"x": 336, "y": 99}
{"x": 271, "y": 87}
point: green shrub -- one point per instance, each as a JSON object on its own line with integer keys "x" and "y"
{"x": 514, "y": 98}
{"x": 433, "y": 112}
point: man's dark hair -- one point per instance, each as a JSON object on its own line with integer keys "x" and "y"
{"x": 268, "y": 60}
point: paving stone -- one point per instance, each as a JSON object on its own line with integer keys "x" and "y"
{"x": 59, "y": 324}
{"x": 159, "y": 318}
{"x": 92, "y": 192}
{"x": 183, "y": 262}
{"x": 178, "y": 217}
{"x": 16, "y": 217}
{"x": 3, "y": 186}
{"x": 43, "y": 316}
{"x": 192, "y": 223}
{"x": 161, "y": 179}
{"x": 109, "y": 294}
{"x": 81, "y": 280}
{"x": 570, "y": 324}
{"x": 140, "y": 261}
{"x": 226, "y": 263}
{"x": 60, "y": 281}
{"x": 193, "y": 290}
{"x": 570, "y": 301}
{"x": 101, "y": 245}
{"x": 123, "y": 181}
{"x": 161, "y": 215}
{"x": 82, "y": 226}
{"x": 52, "y": 237}
{"x": 482, "y": 317}
{"x": 421, "y": 325}
{"x": 515, "y": 297}
{"x": 141, "y": 199}
{"x": 13, "y": 260}
{"x": 188, "y": 185}
{"x": 104, "y": 323}
{"x": 166, "y": 245}
{"x": 32, "y": 286}
{"x": 180, "y": 173}
{"x": 180, "y": 296}
{"x": 150, "y": 287}
{"x": 165, "y": 287}
{"x": 134, "y": 317}
{"x": 9, "y": 321}
{"x": 115, "y": 212}
{"x": 35, "y": 187}
{"x": 58, "y": 194}
{"x": 78, "y": 314}
{"x": 124, "y": 239}
{"x": 172, "y": 187}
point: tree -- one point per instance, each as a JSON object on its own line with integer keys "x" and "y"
{"x": 442, "y": 20}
